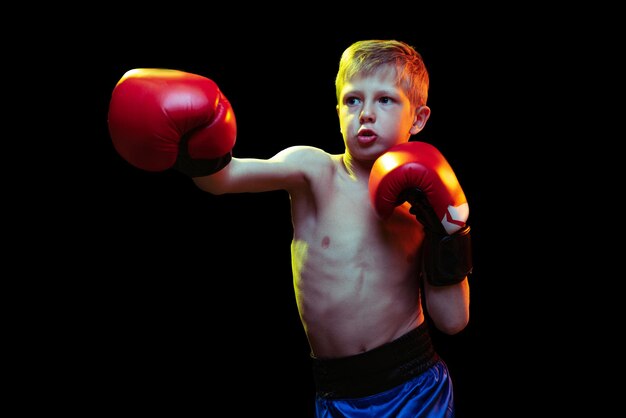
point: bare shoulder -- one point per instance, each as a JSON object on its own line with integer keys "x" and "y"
{"x": 303, "y": 154}
{"x": 309, "y": 160}
{"x": 314, "y": 165}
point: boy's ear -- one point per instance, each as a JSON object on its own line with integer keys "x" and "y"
{"x": 422, "y": 114}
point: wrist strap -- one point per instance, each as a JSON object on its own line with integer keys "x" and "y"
{"x": 198, "y": 167}
{"x": 448, "y": 258}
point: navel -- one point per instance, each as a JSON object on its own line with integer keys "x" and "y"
{"x": 325, "y": 242}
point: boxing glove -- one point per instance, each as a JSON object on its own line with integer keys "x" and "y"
{"x": 416, "y": 172}
{"x": 161, "y": 118}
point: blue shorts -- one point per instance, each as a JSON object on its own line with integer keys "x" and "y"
{"x": 428, "y": 395}
{"x": 403, "y": 378}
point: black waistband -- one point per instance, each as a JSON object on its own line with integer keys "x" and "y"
{"x": 376, "y": 370}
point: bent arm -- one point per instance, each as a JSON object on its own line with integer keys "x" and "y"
{"x": 286, "y": 170}
{"x": 448, "y": 306}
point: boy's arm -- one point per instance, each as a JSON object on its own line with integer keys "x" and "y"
{"x": 287, "y": 170}
{"x": 161, "y": 119}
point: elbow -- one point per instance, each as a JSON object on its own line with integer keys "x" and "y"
{"x": 452, "y": 326}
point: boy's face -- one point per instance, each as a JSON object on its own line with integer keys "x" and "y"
{"x": 375, "y": 114}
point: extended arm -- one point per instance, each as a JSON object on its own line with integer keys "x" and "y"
{"x": 161, "y": 119}
{"x": 287, "y": 170}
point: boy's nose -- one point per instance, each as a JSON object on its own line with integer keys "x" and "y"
{"x": 367, "y": 114}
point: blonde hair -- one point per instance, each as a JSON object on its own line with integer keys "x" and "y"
{"x": 365, "y": 57}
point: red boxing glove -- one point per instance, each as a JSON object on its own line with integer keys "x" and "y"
{"x": 417, "y": 172}
{"x": 160, "y": 118}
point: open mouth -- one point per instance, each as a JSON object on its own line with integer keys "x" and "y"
{"x": 366, "y": 136}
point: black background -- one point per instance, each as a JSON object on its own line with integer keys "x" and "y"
{"x": 193, "y": 295}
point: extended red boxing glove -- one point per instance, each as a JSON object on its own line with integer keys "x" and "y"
{"x": 160, "y": 118}
{"x": 416, "y": 172}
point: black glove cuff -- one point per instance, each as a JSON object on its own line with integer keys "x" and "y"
{"x": 448, "y": 258}
{"x": 199, "y": 168}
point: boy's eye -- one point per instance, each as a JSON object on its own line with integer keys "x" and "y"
{"x": 385, "y": 100}
{"x": 351, "y": 101}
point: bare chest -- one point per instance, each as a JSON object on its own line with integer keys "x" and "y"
{"x": 347, "y": 223}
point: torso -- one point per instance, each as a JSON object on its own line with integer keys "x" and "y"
{"x": 355, "y": 276}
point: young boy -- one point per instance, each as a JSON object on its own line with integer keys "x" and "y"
{"x": 379, "y": 233}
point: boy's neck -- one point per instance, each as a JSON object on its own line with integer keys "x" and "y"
{"x": 357, "y": 170}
